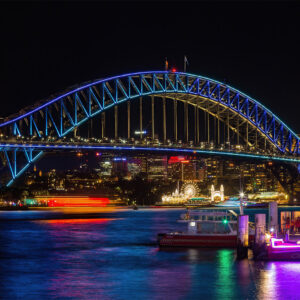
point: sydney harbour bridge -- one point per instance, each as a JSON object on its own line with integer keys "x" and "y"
{"x": 150, "y": 112}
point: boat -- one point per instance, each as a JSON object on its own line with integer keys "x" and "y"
{"x": 205, "y": 228}
{"x": 278, "y": 249}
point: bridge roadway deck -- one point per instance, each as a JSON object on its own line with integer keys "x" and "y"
{"x": 154, "y": 148}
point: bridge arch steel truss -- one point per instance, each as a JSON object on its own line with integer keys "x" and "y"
{"x": 63, "y": 114}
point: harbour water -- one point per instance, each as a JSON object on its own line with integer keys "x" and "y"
{"x": 113, "y": 255}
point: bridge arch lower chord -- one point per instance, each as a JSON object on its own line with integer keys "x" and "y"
{"x": 63, "y": 114}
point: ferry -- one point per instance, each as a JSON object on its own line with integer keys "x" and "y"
{"x": 205, "y": 228}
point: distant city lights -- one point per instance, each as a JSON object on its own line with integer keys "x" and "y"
{"x": 176, "y": 159}
{"x": 119, "y": 159}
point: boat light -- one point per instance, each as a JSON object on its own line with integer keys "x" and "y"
{"x": 272, "y": 229}
{"x": 193, "y": 224}
{"x": 225, "y": 221}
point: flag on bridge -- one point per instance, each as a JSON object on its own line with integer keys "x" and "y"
{"x": 186, "y": 62}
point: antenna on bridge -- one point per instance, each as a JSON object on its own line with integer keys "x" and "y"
{"x": 166, "y": 64}
{"x": 185, "y": 62}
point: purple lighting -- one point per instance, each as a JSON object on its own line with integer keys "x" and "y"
{"x": 282, "y": 245}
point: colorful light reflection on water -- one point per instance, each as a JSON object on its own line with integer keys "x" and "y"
{"x": 113, "y": 256}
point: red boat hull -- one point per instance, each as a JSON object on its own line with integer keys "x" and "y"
{"x": 220, "y": 241}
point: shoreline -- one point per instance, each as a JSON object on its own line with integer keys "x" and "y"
{"x": 120, "y": 207}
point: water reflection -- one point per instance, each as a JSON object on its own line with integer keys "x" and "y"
{"x": 170, "y": 279}
{"x": 75, "y": 221}
{"x": 280, "y": 280}
{"x": 114, "y": 256}
{"x": 225, "y": 281}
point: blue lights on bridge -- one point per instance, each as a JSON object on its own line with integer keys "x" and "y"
{"x": 73, "y": 109}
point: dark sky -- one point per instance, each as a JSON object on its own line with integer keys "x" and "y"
{"x": 253, "y": 46}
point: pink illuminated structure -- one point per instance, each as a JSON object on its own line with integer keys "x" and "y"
{"x": 280, "y": 244}
{"x": 280, "y": 250}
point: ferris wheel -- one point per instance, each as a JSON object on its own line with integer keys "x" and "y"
{"x": 190, "y": 189}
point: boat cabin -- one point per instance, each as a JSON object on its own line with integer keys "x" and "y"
{"x": 210, "y": 222}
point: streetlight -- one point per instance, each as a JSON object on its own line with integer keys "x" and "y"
{"x": 241, "y": 203}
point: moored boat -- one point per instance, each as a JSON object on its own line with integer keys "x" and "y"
{"x": 206, "y": 228}
{"x": 280, "y": 250}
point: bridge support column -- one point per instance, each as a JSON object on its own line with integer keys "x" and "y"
{"x": 265, "y": 143}
{"x": 208, "y": 133}
{"x": 128, "y": 120}
{"x": 256, "y": 143}
{"x": 103, "y": 125}
{"x": 186, "y": 122}
{"x": 218, "y": 114}
{"x": 238, "y": 131}
{"x": 164, "y": 120}
{"x": 175, "y": 120}
{"x": 215, "y": 131}
{"x": 75, "y": 132}
{"x": 198, "y": 131}
{"x": 195, "y": 125}
{"x": 205, "y": 124}
{"x": 247, "y": 135}
{"x": 228, "y": 132}
{"x": 116, "y": 122}
{"x": 141, "y": 118}
{"x": 90, "y": 129}
{"x": 152, "y": 117}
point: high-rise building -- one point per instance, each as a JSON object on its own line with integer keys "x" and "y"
{"x": 157, "y": 167}
{"x": 119, "y": 167}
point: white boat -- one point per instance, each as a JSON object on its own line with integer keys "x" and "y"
{"x": 205, "y": 228}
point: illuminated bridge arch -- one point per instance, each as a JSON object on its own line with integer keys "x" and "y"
{"x": 58, "y": 116}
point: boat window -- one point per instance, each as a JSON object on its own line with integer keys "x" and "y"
{"x": 206, "y": 228}
{"x": 210, "y": 218}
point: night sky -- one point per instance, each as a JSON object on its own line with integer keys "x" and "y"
{"x": 252, "y": 46}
